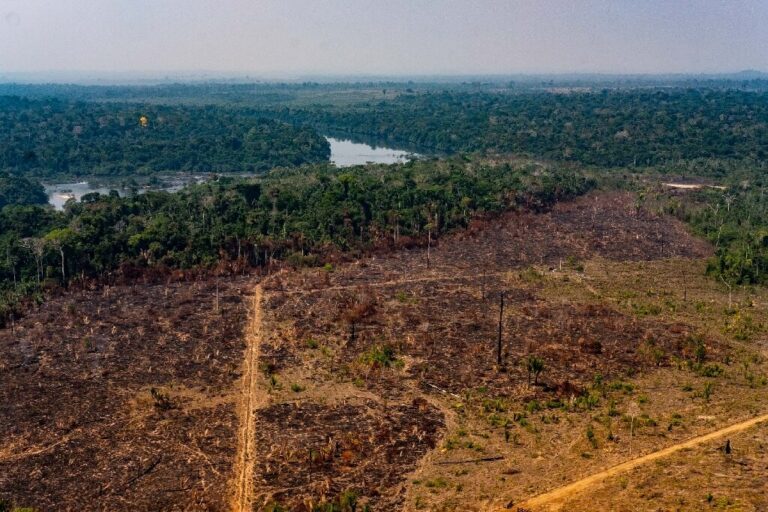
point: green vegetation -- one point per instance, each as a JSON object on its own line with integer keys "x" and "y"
{"x": 380, "y": 357}
{"x": 6, "y": 507}
{"x": 735, "y": 221}
{"x": 344, "y": 502}
{"x": 57, "y": 138}
{"x": 535, "y": 366}
{"x": 607, "y": 128}
{"x": 20, "y": 191}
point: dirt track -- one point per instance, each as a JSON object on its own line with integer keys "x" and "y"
{"x": 243, "y": 499}
{"x": 552, "y": 500}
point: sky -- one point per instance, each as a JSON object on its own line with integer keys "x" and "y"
{"x": 383, "y": 37}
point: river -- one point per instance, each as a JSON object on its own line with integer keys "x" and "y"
{"x": 344, "y": 153}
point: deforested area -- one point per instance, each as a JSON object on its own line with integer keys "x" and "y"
{"x": 595, "y": 366}
{"x": 123, "y": 398}
{"x": 395, "y": 381}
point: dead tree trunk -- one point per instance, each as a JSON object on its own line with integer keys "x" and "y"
{"x": 429, "y": 244}
{"x": 498, "y": 340}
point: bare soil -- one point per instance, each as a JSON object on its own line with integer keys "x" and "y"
{"x": 80, "y": 425}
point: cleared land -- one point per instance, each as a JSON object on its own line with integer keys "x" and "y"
{"x": 554, "y": 499}
{"x": 123, "y": 399}
{"x": 378, "y": 382}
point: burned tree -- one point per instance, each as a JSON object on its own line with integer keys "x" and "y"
{"x": 498, "y": 340}
{"x": 354, "y": 309}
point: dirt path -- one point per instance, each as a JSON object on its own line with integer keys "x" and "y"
{"x": 250, "y": 401}
{"x": 552, "y": 500}
{"x": 392, "y": 282}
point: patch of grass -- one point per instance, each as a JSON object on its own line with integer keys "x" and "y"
{"x": 533, "y": 406}
{"x": 494, "y": 405}
{"x": 624, "y": 387}
{"x": 711, "y": 370}
{"x": 404, "y": 297}
{"x": 531, "y": 275}
{"x": 344, "y": 502}
{"x": 437, "y": 483}
{"x": 591, "y": 437}
{"x": 742, "y": 326}
{"x": 573, "y": 263}
{"x": 297, "y": 388}
{"x": 645, "y": 309}
{"x": 676, "y": 421}
{"x": 498, "y": 420}
{"x": 645, "y": 421}
{"x": 587, "y": 401}
{"x": 381, "y": 357}
{"x": 554, "y": 404}
{"x": 453, "y": 443}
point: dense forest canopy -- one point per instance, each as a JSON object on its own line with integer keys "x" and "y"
{"x": 56, "y": 138}
{"x": 607, "y": 129}
{"x": 20, "y": 191}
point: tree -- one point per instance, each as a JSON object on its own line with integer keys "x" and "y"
{"x": 59, "y": 239}
{"x": 36, "y": 246}
{"x": 20, "y": 190}
{"x": 535, "y": 366}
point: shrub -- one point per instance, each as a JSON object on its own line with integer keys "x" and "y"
{"x": 494, "y": 405}
{"x": 533, "y": 406}
{"x": 591, "y": 437}
{"x": 381, "y": 356}
{"x": 711, "y": 370}
{"x": 587, "y": 401}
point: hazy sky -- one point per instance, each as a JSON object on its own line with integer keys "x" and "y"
{"x": 271, "y": 37}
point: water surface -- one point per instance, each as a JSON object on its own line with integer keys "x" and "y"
{"x": 345, "y": 153}
{"x": 60, "y": 193}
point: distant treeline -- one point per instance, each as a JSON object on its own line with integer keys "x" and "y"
{"x": 606, "y": 129}
{"x": 301, "y": 216}
{"x": 57, "y": 138}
